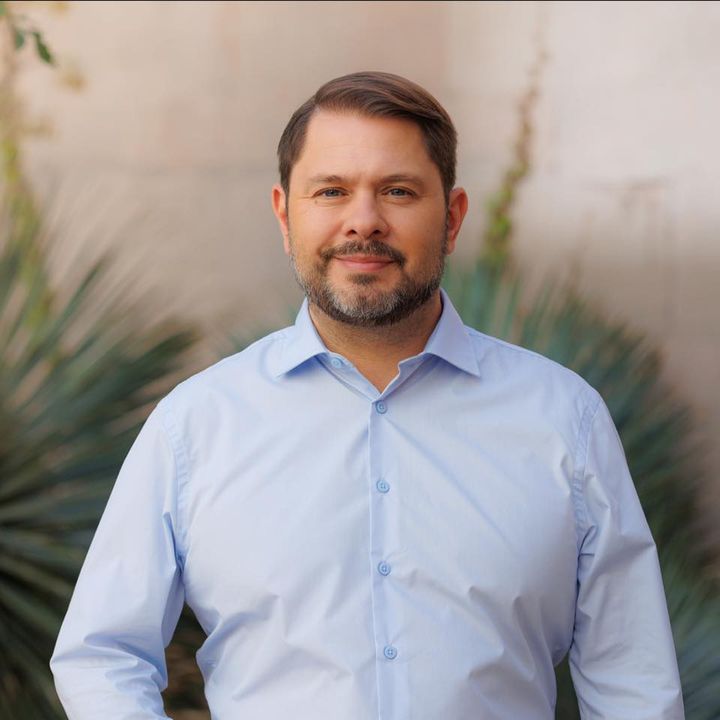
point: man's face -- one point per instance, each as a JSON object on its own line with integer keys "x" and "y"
{"x": 366, "y": 224}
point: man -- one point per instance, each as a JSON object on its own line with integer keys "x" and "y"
{"x": 377, "y": 512}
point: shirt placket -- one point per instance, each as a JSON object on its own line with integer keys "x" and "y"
{"x": 390, "y": 650}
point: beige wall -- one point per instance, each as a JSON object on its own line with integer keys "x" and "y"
{"x": 167, "y": 154}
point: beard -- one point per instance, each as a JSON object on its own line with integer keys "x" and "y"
{"x": 364, "y": 305}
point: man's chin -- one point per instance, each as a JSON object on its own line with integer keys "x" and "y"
{"x": 363, "y": 309}
{"x": 371, "y": 298}
{"x": 360, "y": 311}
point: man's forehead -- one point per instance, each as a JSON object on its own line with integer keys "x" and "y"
{"x": 337, "y": 144}
{"x": 334, "y": 124}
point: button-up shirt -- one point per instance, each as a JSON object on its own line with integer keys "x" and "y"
{"x": 428, "y": 552}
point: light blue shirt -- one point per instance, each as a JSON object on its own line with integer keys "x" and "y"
{"x": 425, "y": 553}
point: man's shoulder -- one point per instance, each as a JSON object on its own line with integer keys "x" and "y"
{"x": 504, "y": 361}
{"x": 246, "y": 368}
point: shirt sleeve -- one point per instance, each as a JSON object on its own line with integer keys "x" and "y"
{"x": 622, "y": 657}
{"x": 109, "y": 659}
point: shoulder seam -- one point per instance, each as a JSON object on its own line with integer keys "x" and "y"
{"x": 581, "y": 453}
{"x": 182, "y": 473}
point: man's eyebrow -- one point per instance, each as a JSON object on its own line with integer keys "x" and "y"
{"x": 403, "y": 178}
{"x": 329, "y": 179}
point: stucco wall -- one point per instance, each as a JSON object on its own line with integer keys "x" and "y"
{"x": 167, "y": 153}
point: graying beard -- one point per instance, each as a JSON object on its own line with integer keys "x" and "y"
{"x": 388, "y": 309}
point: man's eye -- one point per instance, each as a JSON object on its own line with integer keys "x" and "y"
{"x": 330, "y": 193}
{"x": 399, "y": 192}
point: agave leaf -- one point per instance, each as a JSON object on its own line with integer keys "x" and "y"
{"x": 75, "y": 384}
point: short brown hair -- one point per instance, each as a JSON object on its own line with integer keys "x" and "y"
{"x": 375, "y": 94}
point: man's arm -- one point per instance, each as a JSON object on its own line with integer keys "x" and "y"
{"x": 109, "y": 660}
{"x": 622, "y": 658}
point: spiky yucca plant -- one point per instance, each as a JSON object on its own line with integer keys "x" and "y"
{"x": 75, "y": 383}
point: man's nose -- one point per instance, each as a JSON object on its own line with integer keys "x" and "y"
{"x": 365, "y": 217}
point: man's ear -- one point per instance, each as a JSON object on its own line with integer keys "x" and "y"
{"x": 279, "y": 205}
{"x": 457, "y": 207}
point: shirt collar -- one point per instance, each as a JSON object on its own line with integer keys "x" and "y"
{"x": 301, "y": 342}
{"x": 449, "y": 341}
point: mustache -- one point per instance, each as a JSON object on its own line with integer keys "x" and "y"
{"x": 371, "y": 247}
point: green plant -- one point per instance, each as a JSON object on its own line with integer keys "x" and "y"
{"x": 21, "y": 29}
{"x": 78, "y": 375}
{"x": 75, "y": 384}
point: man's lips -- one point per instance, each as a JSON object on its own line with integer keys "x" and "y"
{"x": 364, "y": 263}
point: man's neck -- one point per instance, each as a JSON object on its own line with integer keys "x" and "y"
{"x": 376, "y": 351}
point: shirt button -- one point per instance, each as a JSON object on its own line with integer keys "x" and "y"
{"x": 381, "y": 407}
{"x": 383, "y": 568}
{"x": 382, "y": 486}
{"x": 336, "y": 362}
{"x": 390, "y": 652}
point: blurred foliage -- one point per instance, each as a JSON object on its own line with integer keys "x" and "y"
{"x": 21, "y": 29}
{"x": 75, "y": 384}
{"x": 185, "y": 690}
{"x": 497, "y": 238}
{"x": 77, "y": 377}
{"x": 694, "y": 606}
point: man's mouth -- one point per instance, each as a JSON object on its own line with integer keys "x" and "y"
{"x": 364, "y": 263}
